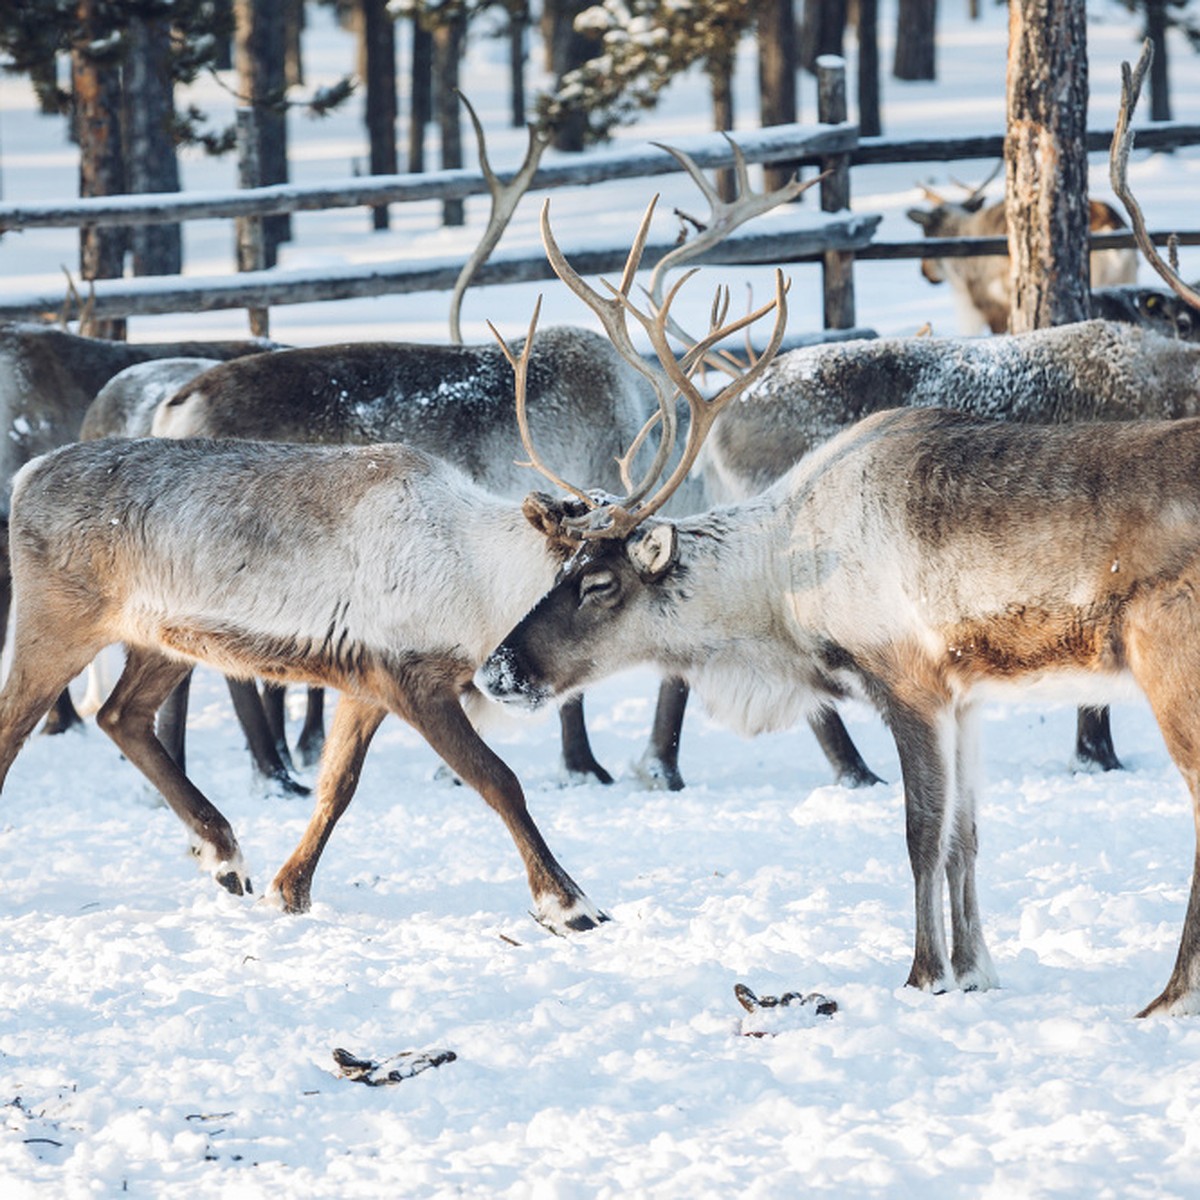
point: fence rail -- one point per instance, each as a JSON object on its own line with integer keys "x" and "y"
{"x": 838, "y": 238}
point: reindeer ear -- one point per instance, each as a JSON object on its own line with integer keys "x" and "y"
{"x": 546, "y": 513}
{"x": 655, "y": 552}
{"x": 921, "y": 216}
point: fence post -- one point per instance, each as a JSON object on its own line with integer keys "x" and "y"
{"x": 251, "y": 252}
{"x": 837, "y": 265}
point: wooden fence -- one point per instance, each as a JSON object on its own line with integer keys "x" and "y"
{"x": 835, "y": 238}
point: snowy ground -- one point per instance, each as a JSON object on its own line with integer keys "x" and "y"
{"x": 159, "y": 1037}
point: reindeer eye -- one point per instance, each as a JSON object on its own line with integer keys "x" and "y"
{"x": 598, "y": 587}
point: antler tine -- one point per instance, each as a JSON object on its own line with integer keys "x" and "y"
{"x": 1118, "y": 171}
{"x": 702, "y": 412}
{"x": 520, "y": 368}
{"x": 724, "y": 218}
{"x": 974, "y": 192}
{"x": 505, "y": 198}
{"x": 612, "y": 316}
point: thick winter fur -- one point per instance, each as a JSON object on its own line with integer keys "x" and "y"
{"x": 917, "y": 559}
{"x": 982, "y": 285}
{"x": 585, "y": 404}
{"x": 48, "y": 377}
{"x": 125, "y": 405}
{"x": 387, "y": 575}
{"x": 1094, "y": 370}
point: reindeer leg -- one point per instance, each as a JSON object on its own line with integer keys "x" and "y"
{"x": 658, "y": 768}
{"x": 259, "y": 740}
{"x": 1166, "y": 670}
{"x": 1093, "y": 741}
{"x": 849, "y": 769}
{"x": 578, "y": 759}
{"x": 41, "y": 668}
{"x": 973, "y": 969}
{"x": 274, "y": 696}
{"x": 558, "y": 901}
{"x": 171, "y": 724}
{"x": 354, "y": 724}
{"x": 312, "y": 733}
{"x": 924, "y": 739}
{"x": 127, "y": 716}
{"x": 62, "y": 715}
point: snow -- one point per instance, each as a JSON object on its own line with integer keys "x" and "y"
{"x": 161, "y": 1037}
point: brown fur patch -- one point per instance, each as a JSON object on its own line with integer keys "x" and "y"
{"x": 383, "y": 678}
{"x": 1029, "y": 640}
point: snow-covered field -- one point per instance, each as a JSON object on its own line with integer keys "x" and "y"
{"x": 161, "y": 1038}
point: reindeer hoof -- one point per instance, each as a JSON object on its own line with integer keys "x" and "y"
{"x": 657, "y": 776}
{"x": 288, "y": 896}
{"x": 593, "y": 772}
{"x": 579, "y": 917}
{"x": 287, "y": 785}
{"x": 231, "y": 881}
{"x": 858, "y": 777}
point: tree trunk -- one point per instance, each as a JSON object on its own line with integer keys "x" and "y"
{"x": 379, "y": 50}
{"x": 448, "y": 40}
{"x": 1156, "y": 31}
{"x": 869, "y": 124}
{"x": 1046, "y": 196}
{"x": 518, "y": 29}
{"x": 916, "y": 29}
{"x": 421, "y": 100}
{"x": 823, "y": 31}
{"x": 260, "y": 48}
{"x": 777, "y": 66}
{"x": 568, "y": 50}
{"x": 720, "y": 81}
{"x": 151, "y": 163}
{"x": 293, "y": 62}
{"x": 96, "y": 86}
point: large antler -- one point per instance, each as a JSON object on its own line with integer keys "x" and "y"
{"x": 1118, "y": 171}
{"x": 615, "y": 518}
{"x": 505, "y": 198}
{"x": 724, "y": 217}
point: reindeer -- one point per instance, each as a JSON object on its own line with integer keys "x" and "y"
{"x": 919, "y": 559}
{"x": 981, "y": 284}
{"x": 385, "y": 573}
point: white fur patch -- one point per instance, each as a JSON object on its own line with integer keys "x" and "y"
{"x": 581, "y": 915}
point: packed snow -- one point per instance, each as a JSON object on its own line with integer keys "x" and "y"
{"x": 159, "y": 1037}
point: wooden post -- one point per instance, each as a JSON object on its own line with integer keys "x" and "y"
{"x": 837, "y": 265}
{"x": 251, "y": 253}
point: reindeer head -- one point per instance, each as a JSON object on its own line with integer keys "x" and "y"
{"x": 601, "y": 612}
{"x": 947, "y": 218}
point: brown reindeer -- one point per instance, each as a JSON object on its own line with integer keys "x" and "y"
{"x": 919, "y": 559}
{"x": 981, "y": 284}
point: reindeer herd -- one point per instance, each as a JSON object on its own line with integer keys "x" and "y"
{"x": 915, "y": 522}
